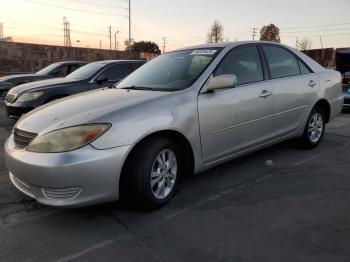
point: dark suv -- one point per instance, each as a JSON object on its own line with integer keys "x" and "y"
{"x": 60, "y": 69}
{"x": 23, "y": 98}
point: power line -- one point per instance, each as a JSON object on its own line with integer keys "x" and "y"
{"x": 313, "y": 26}
{"x": 73, "y": 9}
{"x": 320, "y": 30}
{"x": 100, "y": 5}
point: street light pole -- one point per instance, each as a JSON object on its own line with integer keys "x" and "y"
{"x": 115, "y": 40}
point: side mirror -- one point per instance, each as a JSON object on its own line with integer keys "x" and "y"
{"x": 101, "y": 79}
{"x": 347, "y": 75}
{"x": 222, "y": 82}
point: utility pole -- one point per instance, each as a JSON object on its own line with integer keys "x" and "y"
{"x": 1, "y": 30}
{"x": 66, "y": 30}
{"x": 110, "y": 37}
{"x": 129, "y": 25}
{"x": 164, "y": 44}
{"x": 100, "y": 44}
{"x": 254, "y": 32}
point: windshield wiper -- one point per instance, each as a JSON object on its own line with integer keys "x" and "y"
{"x": 136, "y": 88}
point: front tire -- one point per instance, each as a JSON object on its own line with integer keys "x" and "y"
{"x": 314, "y": 129}
{"x": 152, "y": 173}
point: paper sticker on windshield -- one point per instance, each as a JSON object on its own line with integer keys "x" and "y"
{"x": 204, "y": 52}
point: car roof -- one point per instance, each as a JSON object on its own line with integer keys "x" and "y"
{"x": 71, "y": 62}
{"x": 106, "y": 62}
{"x": 228, "y": 44}
{"x": 344, "y": 52}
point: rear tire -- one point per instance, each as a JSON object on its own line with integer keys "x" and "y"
{"x": 314, "y": 129}
{"x": 152, "y": 173}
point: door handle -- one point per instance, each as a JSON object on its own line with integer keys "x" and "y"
{"x": 312, "y": 83}
{"x": 265, "y": 94}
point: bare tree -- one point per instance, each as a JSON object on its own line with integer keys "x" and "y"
{"x": 216, "y": 33}
{"x": 304, "y": 44}
{"x": 270, "y": 33}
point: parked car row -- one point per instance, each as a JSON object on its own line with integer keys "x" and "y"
{"x": 181, "y": 113}
{"x": 24, "y": 98}
{"x": 60, "y": 69}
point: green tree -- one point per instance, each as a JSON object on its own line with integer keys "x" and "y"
{"x": 270, "y": 33}
{"x": 145, "y": 46}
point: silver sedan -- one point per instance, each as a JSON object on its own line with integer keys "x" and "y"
{"x": 182, "y": 113}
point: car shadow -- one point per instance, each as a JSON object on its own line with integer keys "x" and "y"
{"x": 193, "y": 188}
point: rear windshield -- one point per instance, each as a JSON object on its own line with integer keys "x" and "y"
{"x": 49, "y": 69}
{"x": 86, "y": 71}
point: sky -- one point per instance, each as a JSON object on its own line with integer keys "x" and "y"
{"x": 182, "y": 22}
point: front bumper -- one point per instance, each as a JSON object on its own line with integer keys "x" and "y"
{"x": 16, "y": 112}
{"x": 82, "y": 177}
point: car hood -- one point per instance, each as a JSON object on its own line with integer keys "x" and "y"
{"x": 43, "y": 84}
{"x": 90, "y": 107}
{"x": 14, "y": 79}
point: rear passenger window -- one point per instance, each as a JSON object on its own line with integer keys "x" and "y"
{"x": 303, "y": 69}
{"x": 244, "y": 62}
{"x": 281, "y": 62}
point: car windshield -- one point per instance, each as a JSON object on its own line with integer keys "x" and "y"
{"x": 172, "y": 71}
{"x": 86, "y": 71}
{"x": 48, "y": 70}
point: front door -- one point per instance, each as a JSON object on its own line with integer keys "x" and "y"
{"x": 235, "y": 119}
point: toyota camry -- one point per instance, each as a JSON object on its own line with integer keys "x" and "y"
{"x": 182, "y": 113}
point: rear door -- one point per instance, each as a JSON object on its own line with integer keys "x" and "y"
{"x": 235, "y": 119}
{"x": 295, "y": 88}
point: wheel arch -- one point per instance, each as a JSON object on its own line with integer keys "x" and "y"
{"x": 174, "y": 135}
{"x": 326, "y": 107}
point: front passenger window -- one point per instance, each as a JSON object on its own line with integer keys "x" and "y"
{"x": 243, "y": 62}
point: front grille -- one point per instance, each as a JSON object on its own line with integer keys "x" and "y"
{"x": 10, "y": 98}
{"x": 23, "y": 138}
{"x": 61, "y": 193}
{"x": 3, "y": 93}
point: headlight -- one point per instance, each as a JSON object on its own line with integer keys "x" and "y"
{"x": 67, "y": 139}
{"x": 6, "y": 84}
{"x": 29, "y": 96}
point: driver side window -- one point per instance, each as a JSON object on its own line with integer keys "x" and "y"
{"x": 243, "y": 62}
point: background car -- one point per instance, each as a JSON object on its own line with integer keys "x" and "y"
{"x": 23, "y": 98}
{"x": 183, "y": 112}
{"x": 60, "y": 69}
{"x": 343, "y": 66}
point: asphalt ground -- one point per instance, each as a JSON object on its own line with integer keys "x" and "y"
{"x": 278, "y": 204}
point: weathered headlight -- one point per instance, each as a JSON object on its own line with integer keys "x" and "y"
{"x": 29, "y": 96}
{"x": 67, "y": 139}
